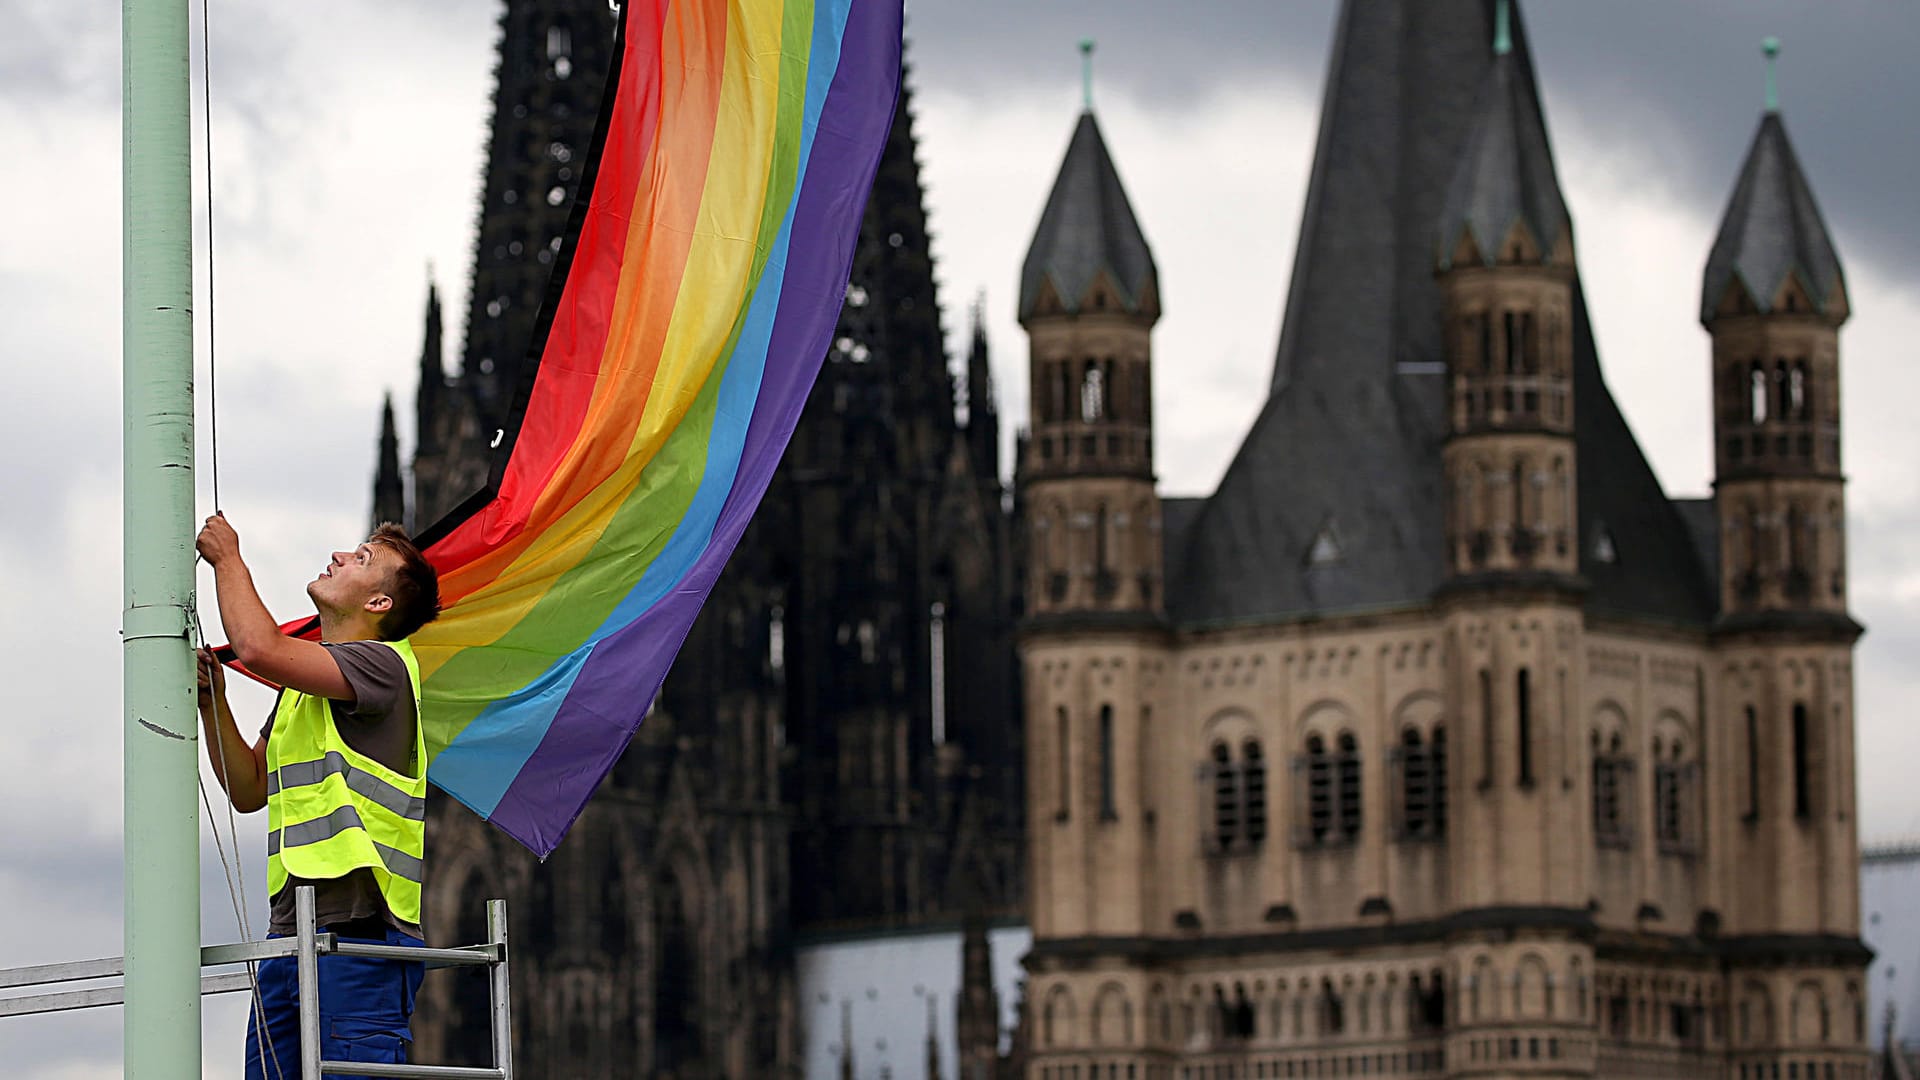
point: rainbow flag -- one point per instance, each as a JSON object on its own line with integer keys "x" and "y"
{"x": 691, "y": 307}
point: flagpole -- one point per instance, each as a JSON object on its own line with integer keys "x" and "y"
{"x": 161, "y": 726}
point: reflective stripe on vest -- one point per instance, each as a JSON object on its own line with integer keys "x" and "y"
{"x": 332, "y": 810}
{"x": 326, "y": 828}
{"x": 360, "y": 781}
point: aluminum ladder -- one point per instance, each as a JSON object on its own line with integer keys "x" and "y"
{"x": 307, "y": 946}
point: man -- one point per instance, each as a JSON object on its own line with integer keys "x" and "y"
{"x": 340, "y": 767}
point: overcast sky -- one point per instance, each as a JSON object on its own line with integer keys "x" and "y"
{"x": 348, "y": 142}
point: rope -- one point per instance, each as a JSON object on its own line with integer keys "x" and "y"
{"x": 206, "y": 102}
{"x": 233, "y": 872}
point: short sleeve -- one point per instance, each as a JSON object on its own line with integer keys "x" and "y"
{"x": 378, "y": 678}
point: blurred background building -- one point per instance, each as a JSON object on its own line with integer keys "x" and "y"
{"x": 1438, "y": 741}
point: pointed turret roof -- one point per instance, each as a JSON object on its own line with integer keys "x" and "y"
{"x": 389, "y": 490}
{"x": 433, "y": 371}
{"x": 1772, "y": 230}
{"x": 1505, "y": 176}
{"x": 1088, "y": 227}
{"x": 1352, "y": 432}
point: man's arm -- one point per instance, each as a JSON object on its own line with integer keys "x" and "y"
{"x": 256, "y": 639}
{"x": 240, "y": 769}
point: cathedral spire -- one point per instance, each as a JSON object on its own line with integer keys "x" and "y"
{"x": 553, "y": 62}
{"x": 389, "y": 490}
{"x": 983, "y": 412}
{"x": 433, "y": 373}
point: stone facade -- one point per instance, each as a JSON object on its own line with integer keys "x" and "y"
{"x": 1518, "y": 820}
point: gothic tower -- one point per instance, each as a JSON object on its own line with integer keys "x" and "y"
{"x": 554, "y": 56}
{"x": 1773, "y": 299}
{"x": 1512, "y": 596}
{"x": 1089, "y": 297}
{"x": 1506, "y": 269}
{"x": 1093, "y": 630}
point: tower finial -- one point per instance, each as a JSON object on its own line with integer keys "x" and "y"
{"x": 1770, "y": 48}
{"x": 1086, "y": 73}
{"x": 1502, "y": 31}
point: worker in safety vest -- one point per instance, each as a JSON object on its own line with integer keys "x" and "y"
{"x": 341, "y": 768}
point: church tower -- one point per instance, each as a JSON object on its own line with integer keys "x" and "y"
{"x": 1505, "y": 267}
{"x": 1093, "y": 642}
{"x": 1089, "y": 297}
{"x": 1773, "y": 298}
{"x": 1506, "y": 273}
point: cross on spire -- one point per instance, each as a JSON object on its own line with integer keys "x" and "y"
{"x": 1086, "y": 73}
{"x": 1770, "y": 48}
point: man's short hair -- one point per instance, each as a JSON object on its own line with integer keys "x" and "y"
{"x": 415, "y": 586}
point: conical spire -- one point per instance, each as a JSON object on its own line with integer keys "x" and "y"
{"x": 983, "y": 417}
{"x": 1504, "y": 204}
{"x": 389, "y": 490}
{"x": 1088, "y": 229}
{"x": 433, "y": 371}
{"x": 1772, "y": 233}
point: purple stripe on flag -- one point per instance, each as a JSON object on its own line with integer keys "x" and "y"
{"x": 603, "y": 709}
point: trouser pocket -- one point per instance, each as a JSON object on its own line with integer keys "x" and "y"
{"x": 352, "y": 1038}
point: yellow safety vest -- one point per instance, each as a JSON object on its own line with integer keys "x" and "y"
{"x": 332, "y": 810}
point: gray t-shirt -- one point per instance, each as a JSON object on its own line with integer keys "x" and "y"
{"x": 378, "y": 723}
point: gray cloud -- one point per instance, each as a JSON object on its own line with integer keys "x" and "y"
{"x": 1683, "y": 77}
{"x": 348, "y": 143}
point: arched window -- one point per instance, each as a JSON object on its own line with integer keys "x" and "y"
{"x": 1093, "y": 393}
{"x": 1674, "y": 776}
{"x": 1319, "y": 791}
{"x": 1437, "y": 748}
{"x": 1797, "y": 397}
{"x": 1753, "y": 764}
{"x": 1107, "y": 808}
{"x": 1612, "y": 791}
{"x": 1486, "y": 728}
{"x": 1523, "y": 724}
{"x": 1486, "y": 342}
{"x": 1757, "y": 393}
{"x": 1515, "y": 350}
{"x": 1802, "y": 763}
{"x": 1239, "y": 793}
{"x": 1063, "y": 762}
{"x": 1347, "y": 778}
{"x": 1253, "y": 792}
{"x": 1783, "y": 390}
{"x": 1416, "y": 786}
{"x": 1226, "y": 798}
{"x": 676, "y": 1010}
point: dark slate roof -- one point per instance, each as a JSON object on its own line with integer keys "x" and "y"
{"x": 1350, "y": 437}
{"x": 1703, "y": 524}
{"x": 1772, "y": 228}
{"x": 1088, "y": 226}
{"x": 1505, "y": 174}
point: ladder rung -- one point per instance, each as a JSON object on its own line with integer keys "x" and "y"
{"x": 420, "y": 1072}
{"x": 465, "y": 956}
{"x": 101, "y": 996}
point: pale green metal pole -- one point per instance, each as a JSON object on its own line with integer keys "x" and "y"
{"x": 161, "y": 726}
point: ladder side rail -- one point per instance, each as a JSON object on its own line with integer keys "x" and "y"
{"x": 308, "y": 965}
{"x": 500, "y": 990}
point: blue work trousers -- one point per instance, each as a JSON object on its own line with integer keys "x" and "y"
{"x": 365, "y": 1009}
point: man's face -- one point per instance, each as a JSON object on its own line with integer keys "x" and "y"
{"x": 356, "y": 580}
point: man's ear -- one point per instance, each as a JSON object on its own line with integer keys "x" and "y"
{"x": 380, "y": 603}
